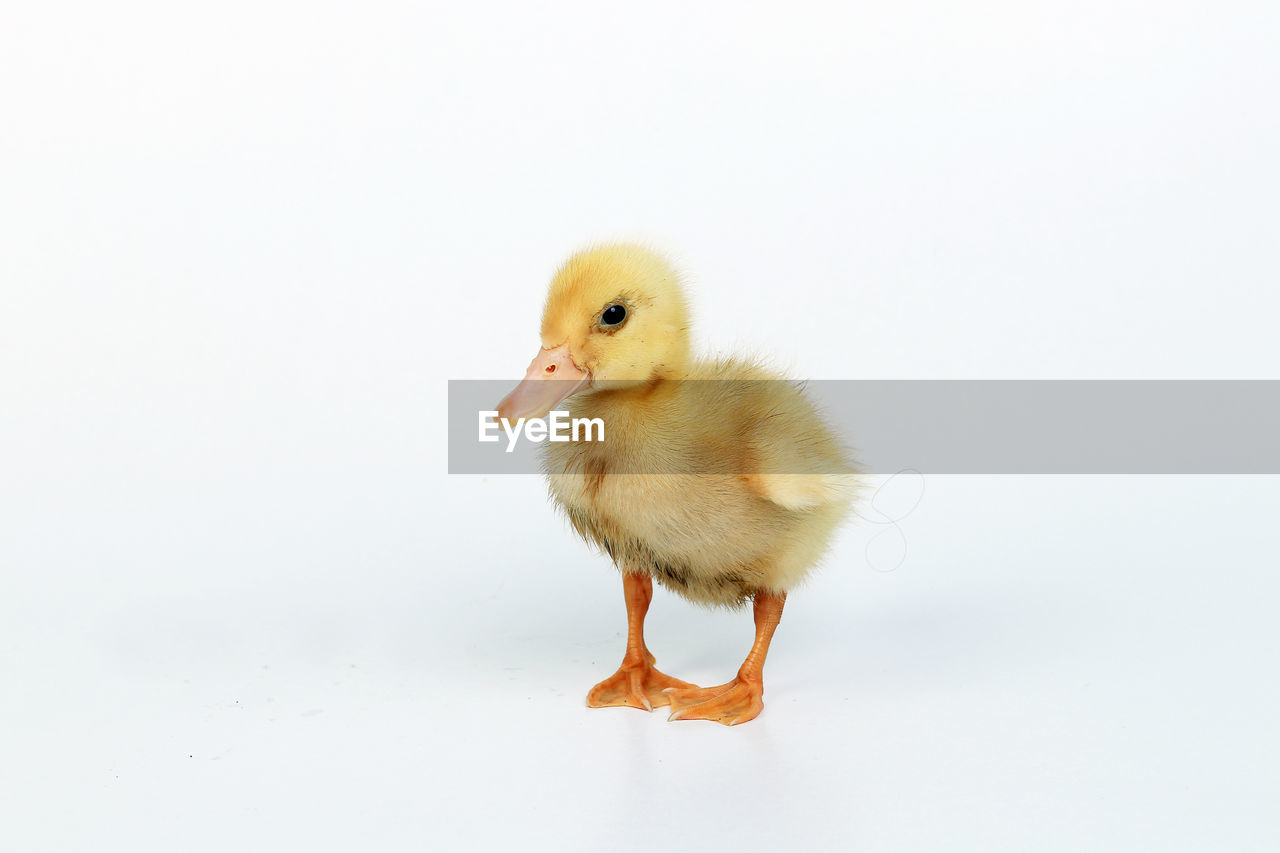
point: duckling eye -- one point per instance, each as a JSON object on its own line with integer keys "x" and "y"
{"x": 613, "y": 315}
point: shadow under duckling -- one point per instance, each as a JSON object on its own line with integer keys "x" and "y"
{"x": 716, "y": 478}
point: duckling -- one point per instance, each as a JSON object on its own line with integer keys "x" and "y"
{"x": 716, "y": 479}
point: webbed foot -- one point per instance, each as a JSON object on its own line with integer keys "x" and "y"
{"x": 636, "y": 684}
{"x": 737, "y": 702}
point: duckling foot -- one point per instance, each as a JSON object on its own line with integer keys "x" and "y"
{"x": 737, "y": 702}
{"x": 636, "y": 684}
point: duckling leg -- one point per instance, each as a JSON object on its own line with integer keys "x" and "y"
{"x": 741, "y": 699}
{"x": 636, "y": 684}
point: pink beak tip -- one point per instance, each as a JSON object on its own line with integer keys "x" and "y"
{"x": 551, "y": 378}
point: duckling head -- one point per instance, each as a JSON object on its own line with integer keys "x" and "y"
{"x": 615, "y": 316}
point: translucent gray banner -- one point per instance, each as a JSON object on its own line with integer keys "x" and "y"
{"x": 936, "y": 427}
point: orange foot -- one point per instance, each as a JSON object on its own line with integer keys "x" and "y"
{"x": 736, "y": 702}
{"x": 636, "y": 684}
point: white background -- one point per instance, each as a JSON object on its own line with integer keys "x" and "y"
{"x": 244, "y": 245}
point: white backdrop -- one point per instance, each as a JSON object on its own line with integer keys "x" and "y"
{"x": 243, "y": 246}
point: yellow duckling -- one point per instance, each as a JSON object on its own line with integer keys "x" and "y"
{"x": 715, "y": 478}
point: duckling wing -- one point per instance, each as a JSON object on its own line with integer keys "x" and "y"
{"x": 796, "y": 461}
{"x": 804, "y": 491}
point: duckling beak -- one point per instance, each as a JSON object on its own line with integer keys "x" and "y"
{"x": 552, "y": 377}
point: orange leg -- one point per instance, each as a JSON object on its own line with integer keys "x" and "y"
{"x": 636, "y": 684}
{"x": 741, "y": 699}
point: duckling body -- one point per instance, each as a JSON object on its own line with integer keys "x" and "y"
{"x": 717, "y": 479}
{"x": 677, "y": 490}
